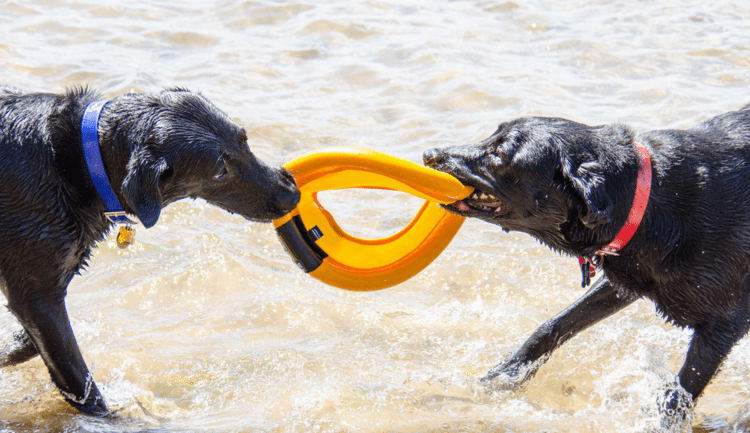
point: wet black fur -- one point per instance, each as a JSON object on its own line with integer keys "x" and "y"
{"x": 156, "y": 148}
{"x": 571, "y": 186}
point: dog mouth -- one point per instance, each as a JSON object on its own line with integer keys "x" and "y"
{"x": 479, "y": 201}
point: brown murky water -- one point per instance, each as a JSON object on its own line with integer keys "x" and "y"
{"x": 207, "y": 325}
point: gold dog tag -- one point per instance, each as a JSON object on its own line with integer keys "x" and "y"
{"x": 126, "y": 236}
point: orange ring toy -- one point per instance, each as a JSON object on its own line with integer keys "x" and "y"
{"x": 324, "y": 250}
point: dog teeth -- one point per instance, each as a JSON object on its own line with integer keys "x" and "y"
{"x": 482, "y": 196}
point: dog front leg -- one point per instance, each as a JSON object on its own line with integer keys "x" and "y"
{"x": 47, "y": 325}
{"x": 601, "y": 301}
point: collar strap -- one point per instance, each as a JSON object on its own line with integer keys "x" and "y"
{"x": 637, "y": 210}
{"x": 640, "y": 200}
{"x": 95, "y": 165}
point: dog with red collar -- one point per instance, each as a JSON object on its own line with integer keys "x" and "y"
{"x": 663, "y": 215}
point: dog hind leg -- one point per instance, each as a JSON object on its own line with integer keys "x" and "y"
{"x": 601, "y": 301}
{"x": 711, "y": 343}
{"x": 20, "y": 350}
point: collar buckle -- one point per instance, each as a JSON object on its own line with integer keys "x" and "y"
{"x": 607, "y": 251}
{"x": 120, "y": 217}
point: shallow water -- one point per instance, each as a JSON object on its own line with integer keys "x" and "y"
{"x": 207, "y": 325}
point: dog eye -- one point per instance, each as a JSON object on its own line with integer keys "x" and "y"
{"x": 221, "y": 171}
{"x": 498, "y": 159}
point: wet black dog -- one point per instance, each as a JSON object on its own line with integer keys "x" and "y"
{"x": 572, "y": 186}
{"x": 156, "y": 149}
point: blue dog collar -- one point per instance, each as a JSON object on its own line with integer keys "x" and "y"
{"x": 95, "y": 165}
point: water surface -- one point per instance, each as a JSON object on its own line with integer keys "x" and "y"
{"x": 207, "y": 325}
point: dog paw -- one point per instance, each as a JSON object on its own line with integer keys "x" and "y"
{"x": 511, "y": 374}
{"x": 671, "y": 411}
{"x": 675, "y": 405}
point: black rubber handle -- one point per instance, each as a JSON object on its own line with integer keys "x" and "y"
{"x": 300, "y": 243}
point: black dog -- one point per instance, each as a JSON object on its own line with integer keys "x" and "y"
{"x": 156, "y": 149}
{"x": 572, "y": 187}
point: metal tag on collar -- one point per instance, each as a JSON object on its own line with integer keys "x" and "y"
{"x": 587, "y": 270}
{"x": 126, "y": 233}
{"x": 125, "y": 236}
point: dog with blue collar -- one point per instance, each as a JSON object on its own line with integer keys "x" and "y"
{"x": 73, "y": 165}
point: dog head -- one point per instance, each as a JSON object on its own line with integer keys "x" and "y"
{"x": 180, "y": 146}
{"x": 552, "y": 178}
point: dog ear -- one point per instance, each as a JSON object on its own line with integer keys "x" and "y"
{"x": 589, "y": 182}
{"x": 142, "y": 185}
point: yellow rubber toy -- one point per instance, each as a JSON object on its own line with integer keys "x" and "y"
{"x": 321, "y": 248}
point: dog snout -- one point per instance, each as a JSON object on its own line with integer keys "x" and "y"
{"x": 433, "y": 157}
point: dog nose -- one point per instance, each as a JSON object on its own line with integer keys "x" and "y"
{"x": 289, "y": 199}
{"x": 432, "y": 157}
{"x": 287, "y": 202}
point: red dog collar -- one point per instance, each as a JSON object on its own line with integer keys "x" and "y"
{"x": 642, "y": 192}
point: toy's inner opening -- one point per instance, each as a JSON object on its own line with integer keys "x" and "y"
{"x": 370, "y": 213}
